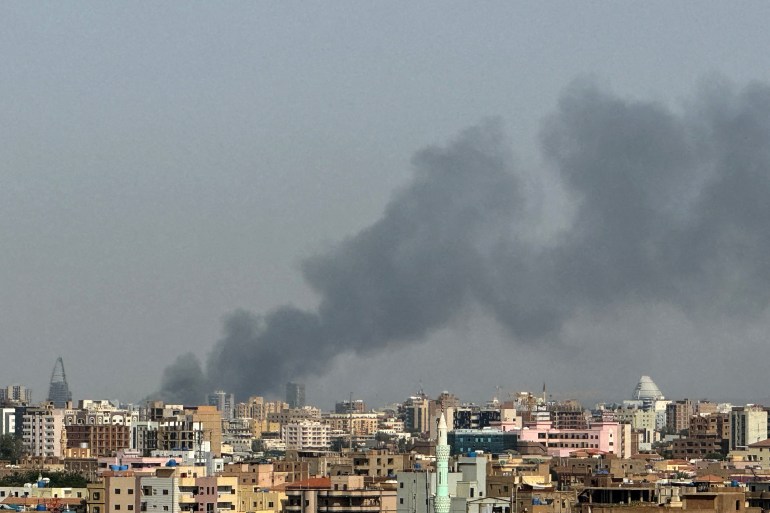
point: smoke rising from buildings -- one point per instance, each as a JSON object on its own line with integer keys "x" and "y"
{"x": 667, "y": 206}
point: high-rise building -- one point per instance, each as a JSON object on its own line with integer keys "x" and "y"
{"x": 415, "y": 410}
{"x": 59, "y": 391}
{"x": 295, "y": 394}
{"x": 678, "y": 415}
{"x": 42, "y": 428}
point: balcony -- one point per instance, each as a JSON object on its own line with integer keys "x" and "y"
{"x": 187, "y": 498}
{"x": 341, "y": 508}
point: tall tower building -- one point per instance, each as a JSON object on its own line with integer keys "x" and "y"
{"x": 295, "y": 394}
{"x": 59, "y": 391}
{"x": 442, "y": 502}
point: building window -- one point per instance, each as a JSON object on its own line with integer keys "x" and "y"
{"x": 131, "y": 491}
{"x": 117, "y": 491}
{"x": 401, "y": 500}
{"x": 165, "y": 492}
{"x": 117, "y": 507}
{"x": 130, "y": 507}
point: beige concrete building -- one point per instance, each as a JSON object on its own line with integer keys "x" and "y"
{"x": 380, "y": 463}
{"x": 195, "y": 428}
{"x": 363, "y": 424}
{"x": 340, "y": 494}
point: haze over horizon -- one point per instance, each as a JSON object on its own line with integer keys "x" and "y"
{"x": 164, "y": 167}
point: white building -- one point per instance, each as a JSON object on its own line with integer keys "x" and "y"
{"x": 748, "y": 425}
{"x": 306, "y": 435}
{"x": 7, "y": 421}
{"x": 417, "y": 489}
{"x": 42, "y": 429}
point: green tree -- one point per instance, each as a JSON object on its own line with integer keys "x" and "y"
{"x": 57, "y": 479}
{"x": 11, "y": 448}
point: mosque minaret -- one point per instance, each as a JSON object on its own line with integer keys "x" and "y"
{"x": 442, "y": 502}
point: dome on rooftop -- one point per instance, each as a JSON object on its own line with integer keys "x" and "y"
{"x": 646, "y": 389}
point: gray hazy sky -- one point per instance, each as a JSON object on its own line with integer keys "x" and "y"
{"x": 164, "y": 164}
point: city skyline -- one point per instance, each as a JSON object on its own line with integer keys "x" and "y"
{"x": 172, "y": 176}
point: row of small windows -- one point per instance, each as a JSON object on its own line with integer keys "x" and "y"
{"x": 569, "y": 436}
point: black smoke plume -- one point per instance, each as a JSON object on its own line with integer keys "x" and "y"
{"x": 668, "y": 207}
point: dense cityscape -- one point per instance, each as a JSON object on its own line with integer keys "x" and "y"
{"x": 428, "y": 454}
{"x": 384, "y": 257}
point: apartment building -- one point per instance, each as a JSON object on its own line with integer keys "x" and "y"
{"x": 708, "y": 434}
{"x": 340, "y": 494}
{"x": 293, "y": 415}
{"x": 306, "y": 435}
{"x": 15, "y": 394}
{"x": 195, "y": 428}
{"x": 363, "y": 424}
{"x": 380, "y": 463}
{"x": 678, "y": 415}
{"x": 168, "y": 489}
{"x": 748, "y": 425}
{"x": 42, "y": 430}
{"x": 416, "y": 414}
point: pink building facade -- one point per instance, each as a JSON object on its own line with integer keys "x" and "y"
{"x": 605, "y": 436}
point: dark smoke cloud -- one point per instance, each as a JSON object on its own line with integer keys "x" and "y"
{"x": 183, "y": 381}
{"x": 670, "y": 207}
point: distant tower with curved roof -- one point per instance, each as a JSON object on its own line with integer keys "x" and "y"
{"x": 647, "y": 390}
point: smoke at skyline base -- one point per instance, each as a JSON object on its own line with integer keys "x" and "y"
{"x": 668, "y": 207}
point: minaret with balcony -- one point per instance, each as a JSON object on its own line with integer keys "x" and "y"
{"x": 441, "y": 502}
